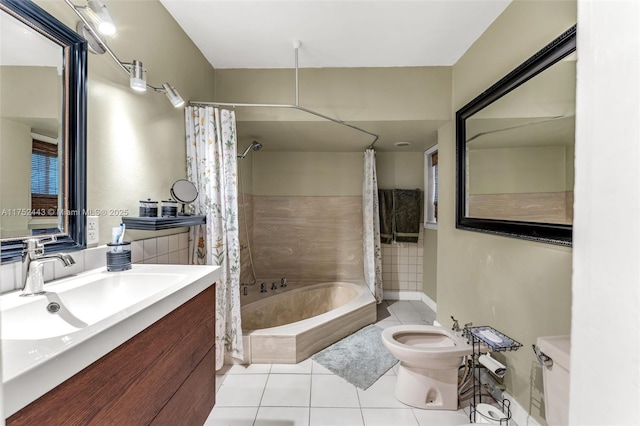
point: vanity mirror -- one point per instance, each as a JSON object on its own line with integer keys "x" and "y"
{"x": 184, "y": 191}
{"x": 42, "y": 130}
{"x": 515, "y": 150}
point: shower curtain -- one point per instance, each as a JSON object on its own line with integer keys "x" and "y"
{"x": 212, "y": 167}
{"x": 371, "y": 227}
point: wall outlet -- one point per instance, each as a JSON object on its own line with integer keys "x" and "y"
{"x": 93, "y": 234}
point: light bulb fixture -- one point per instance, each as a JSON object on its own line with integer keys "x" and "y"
{"x": 95, "y": 44}
{"x": 135, "y": 70}
{"x": 137, "y": 76}
{"x": 102, "y": 17}
{"x": 173, "y": 95}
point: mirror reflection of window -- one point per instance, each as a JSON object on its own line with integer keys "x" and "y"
{"x": 44, "y": 178}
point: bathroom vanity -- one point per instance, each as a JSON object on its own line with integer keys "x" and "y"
{"x": 150, "y": 360}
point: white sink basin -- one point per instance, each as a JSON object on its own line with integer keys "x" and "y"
{"x": 98, "y": 311}
{"x": 83, "y": 300}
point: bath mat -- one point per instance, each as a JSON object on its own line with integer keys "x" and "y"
{"x": 360, "y": 358}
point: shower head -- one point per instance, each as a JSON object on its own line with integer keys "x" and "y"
{"x": 255, "y": 145}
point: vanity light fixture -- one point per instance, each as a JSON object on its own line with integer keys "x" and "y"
{"x": 173, "y": 95}
{"x": 94, "y": 44}
{"x": 135, "y": 70}
{"x": 137, "y": 76}
{"x": 98, "y": 13}
{"x": 102, "y": 16}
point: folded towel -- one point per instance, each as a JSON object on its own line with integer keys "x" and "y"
{"x": 385, "y": 205}
{"x": 407, "y": 204}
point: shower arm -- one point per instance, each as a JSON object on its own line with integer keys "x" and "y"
{"x": 296, "y": 45}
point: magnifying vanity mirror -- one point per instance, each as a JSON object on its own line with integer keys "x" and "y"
{"x": 515, "y": 150}
{"x": 185, "y": 192}
{"x": 42, "y": 130}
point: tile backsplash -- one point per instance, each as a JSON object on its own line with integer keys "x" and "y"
{"x": 170, "y": 249}
{"x": 401, "y": 262}
{"x": 402, "y": 265}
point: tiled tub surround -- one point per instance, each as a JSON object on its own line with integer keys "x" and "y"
{"x": 171, "y": 249}
{"x": 308, "y": 239}
{"x": 291, "y": 326}
{"x": 318, "y": 239}
{"x": 402, "y": 265}
{"x": 246, "y": 276}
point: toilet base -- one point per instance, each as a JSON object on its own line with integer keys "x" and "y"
{"x": 426, "y": 388}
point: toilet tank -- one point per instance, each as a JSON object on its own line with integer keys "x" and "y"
{"x": 556, "y": 378}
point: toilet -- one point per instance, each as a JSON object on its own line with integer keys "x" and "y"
{"x": 555, "y": 378}
{"x": 429, "y": 359}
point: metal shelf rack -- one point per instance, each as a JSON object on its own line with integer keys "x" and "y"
{"x": 494, "y": 341}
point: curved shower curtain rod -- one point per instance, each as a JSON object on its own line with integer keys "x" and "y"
{"x": 296, "y": 46}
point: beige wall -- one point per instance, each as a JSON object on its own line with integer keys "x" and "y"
{"x": 307, "y": 173}
{"x": 31, "y": 93}
{"x": 353, "y": 94}
{"x": 521, "y": 288}
{"x": 430, "y": 264}
{"x": 15, "y": 166}
{"x": 517, "y": 170}
{"x": 135, "y": 141}
{"x": 400, "y": 170}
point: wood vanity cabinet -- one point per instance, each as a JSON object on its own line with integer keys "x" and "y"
{"x": 164, "y": 375}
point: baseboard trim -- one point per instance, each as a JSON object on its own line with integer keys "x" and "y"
{"x": 410, "y": 295}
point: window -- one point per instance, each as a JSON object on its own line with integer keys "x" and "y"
{"x": 431, "y": 187}
{"x": 44, "y": 179}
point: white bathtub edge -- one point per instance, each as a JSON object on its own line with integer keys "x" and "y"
{"x": 362, "y": 299}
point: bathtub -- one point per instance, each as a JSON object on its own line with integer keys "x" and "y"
{"x": 291, "y": 326}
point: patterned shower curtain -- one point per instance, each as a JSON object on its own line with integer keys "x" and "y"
{"x": 212, "y": 167}
{"x": 371, "y": 227}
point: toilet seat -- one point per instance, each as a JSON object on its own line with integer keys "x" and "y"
{"x": 458, "y": 347}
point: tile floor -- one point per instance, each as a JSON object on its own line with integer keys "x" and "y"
{"x": 307, "y": 394}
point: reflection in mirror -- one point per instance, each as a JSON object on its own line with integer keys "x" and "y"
{"x": 31, "y": 121}
{"x": 520, "y": 151}
{"x": 42, "y": 129}
{"x": 515, "y": 150}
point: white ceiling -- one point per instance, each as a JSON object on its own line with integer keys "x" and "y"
{"x": 260, "y": 34}
{"x": 344, "y": 33}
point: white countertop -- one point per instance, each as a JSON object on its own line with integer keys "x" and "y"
{"x": 46, "y": 357}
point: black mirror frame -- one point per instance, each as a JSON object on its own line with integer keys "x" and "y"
{"x": 74, "y": 237}
{"x": 558, "y": 234}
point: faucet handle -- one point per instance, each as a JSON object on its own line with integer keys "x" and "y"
{"x": 456, "y": 325}
{"x": 33, "y": 244}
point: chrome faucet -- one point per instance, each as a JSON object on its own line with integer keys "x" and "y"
{"x": 33, "y": 258}
{"x": 283, "y": 282}
{"x": 274, "y": 286}
{"x": 456, "y": 325}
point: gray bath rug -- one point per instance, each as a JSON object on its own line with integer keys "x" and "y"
{"x": 360, "y": 358}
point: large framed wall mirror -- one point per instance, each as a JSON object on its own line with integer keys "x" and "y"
{"x": 42, "y": 130}
{"x": 515, "y": 150}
